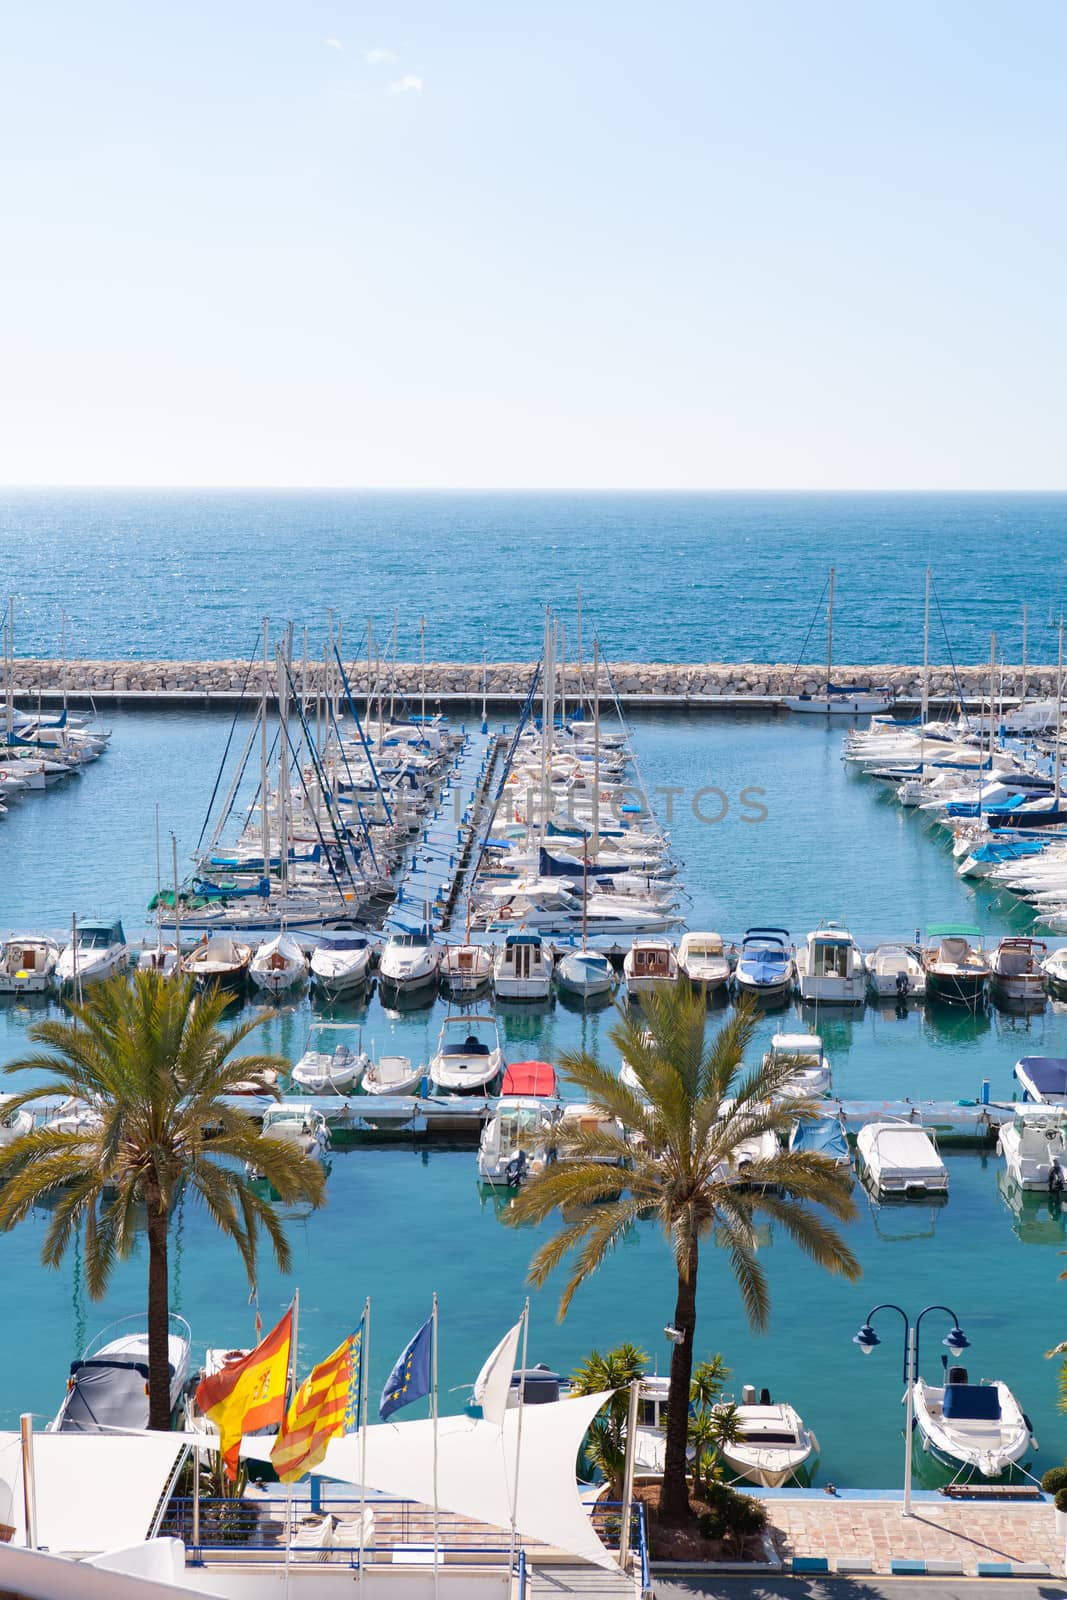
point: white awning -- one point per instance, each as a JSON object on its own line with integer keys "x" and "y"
{"x": 95, "y": 1491}
{"x": 476, "y": 1469}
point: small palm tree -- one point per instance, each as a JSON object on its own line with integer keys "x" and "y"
{"x": 151, "y": 1059}
{"x": 681, "y": 1135}
{"x": 605, "y": 1443}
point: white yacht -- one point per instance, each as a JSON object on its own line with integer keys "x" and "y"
{"x": 466, "y": 969}
{"x": 278, "y": 965}
{"x": 27, "y": 963}
{"x": 766, "y": 966}
{"x": 98, "y": 952}
{"x": 975, "y": 1427}
{"x": 296, "y": 1123}
{"x": 340, "y": 964}
{"x": 649, "y": 967}
{"x": 585, "y": 973}
{"x": 410, "y": 961}
{"x": 703, "y": 960}
{"x": 333, "y": 1061}
{"x": 1034, "y": 1148}
{"x": 774, "y": 1448}
{"x": 468, "y": 1058}
{"x": 522, "y": 969}
{"x": 810, "y": 1076}
{"x": 392, "y": 1075}
{"x": 515, "y": 1141}
{"x": 1018, "y": 979}
{"x": 900, "y": 1158}
{"x": 830, "y": 968}
{"x": 107, "y": 1390}
{"x": 895, "y": 972}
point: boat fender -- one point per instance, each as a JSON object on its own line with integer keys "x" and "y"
{"x": 765, "y": 1397}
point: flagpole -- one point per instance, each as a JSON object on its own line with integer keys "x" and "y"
{"x": 364, "y": 1373}
{"x": 433, "y": 1413}
{"x": 518, "y": 1435}
{"x": 288, "y": 1400}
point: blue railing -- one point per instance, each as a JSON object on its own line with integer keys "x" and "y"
{"x": 522, "y": 1575}
{"x": 642, "y": 1548}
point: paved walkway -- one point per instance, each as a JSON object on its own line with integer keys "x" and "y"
{"x": 938, "y": 1531}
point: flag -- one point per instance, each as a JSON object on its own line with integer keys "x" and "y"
{"x": 493, "y": 1384}
{"x": 326, "y": 1404}
{"x": 410, "y": 1377}
{"x": 249, "y": 1393}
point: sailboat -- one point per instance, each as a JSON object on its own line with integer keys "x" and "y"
{"x": 848, "y": 700}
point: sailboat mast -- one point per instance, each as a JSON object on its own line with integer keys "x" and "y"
{"x": 1022, "y": 701}
{"x": 1059, "y": 722}
{"x": 264, "y": 753}
{"x": 596, "y": 748}
{"x": 422, "y": 671}
{"x": 830, "y": 635}
{"x": 159, "y": 889}
{"x": 581, "y": 685}
{"x": 177, "y": 904}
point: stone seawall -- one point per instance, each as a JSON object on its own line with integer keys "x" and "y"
{"x": 510, "y": 680}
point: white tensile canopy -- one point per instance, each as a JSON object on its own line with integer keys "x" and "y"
{"x": 476, "y": 1469}
{"x": 95, "y": 1491}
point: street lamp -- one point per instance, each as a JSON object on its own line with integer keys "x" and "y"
{"x": 956, "y": 1342}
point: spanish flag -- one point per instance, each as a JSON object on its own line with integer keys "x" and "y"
{"x": 326, "y": 1404}
{"x": 249, "y": 1393}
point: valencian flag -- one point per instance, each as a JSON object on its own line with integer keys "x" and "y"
{"x": 326, "y": 1404}
{"x": 410, "y": 1378}
{"x": 250, "y": 1393}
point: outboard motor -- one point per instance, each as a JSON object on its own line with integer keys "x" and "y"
{"x": 765, "y": 1397}
{"x": 902, "y": 984}
{"x": 1055, "y": 1178}
{"x": 957, "y": 1375}
{"x": 516, "y": 1170}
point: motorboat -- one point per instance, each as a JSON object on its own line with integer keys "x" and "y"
{"x": 466, "y": 969}
{"x": 531, "y": 1078}
{"x": 585, "y": 973}
{"x": 1018, "y": 978}
{"x": 957, "y": 968}
{"x": 1055, "y": 968}
{"x": 1034, "y": 1148}
{"x": 220, "y": 959}
{"x": 392, "y": 1075}
{"x": 766, "y": 968}
{"x": 96, "y": 952}
{"x": 978, "y": 1428}
{"x": 830, "y": 968}
{"x": 330, "y": 1064}
{"x": 107, "y": 1391}
{"x": 578, "y": 1119}
{"x": 409, "y": 961}
{"x": 278, "y": 965}
{"x": 703, "y": 960}
{"x": 760, "y": 1148}
{"x": 824, "y": 1136}
{"x": 468, "y": 1057}
{"x": 163, "y": 958}
{"x": 810, "y": 1074}
{"x": 773, "y": 1447}
{"x": 515, "y": 1142}
{"x": 649, "y": 967}
{"x": 340, "y": 964}
{"x": 13, "y": 1124}
{"x": 896, "y": 972}
{"x": 900, "y": 1159}
{"x": 522, "y": 968}
{"x": 27, "y": 963}
{"x": 296, "y": 1123}
{"x": 75, "y": 1116}
{"x": 1043, "y": 1079}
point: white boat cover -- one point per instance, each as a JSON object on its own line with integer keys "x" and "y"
{"x": 476, "y": 1469}
{"x": 95, "y": 1491}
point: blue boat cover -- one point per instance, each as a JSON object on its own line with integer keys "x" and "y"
{"x": 764, "y": 966}
{"x": 1048, "y": 1074}
{"x": 825, "y": 1137}
{"x": 971, "y": 1402}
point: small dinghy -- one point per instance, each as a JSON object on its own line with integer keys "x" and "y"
{"x": 107, "y": 1390}
{"x": 296, "y": 1123}
{"x": 340, "y": 965}
{"x": 392, "y": 1075}
{"x": 774, "y": 1447}
{"x": 279, "y": 964}
{"x": 1034, "y": 1148}
{"x": 330, "y": 1064}
{"x": 27, "y": 963}
{"x": 515, "y": 1142}
{"x": 974, "y": 1428}
{"x": 901, "y": 1159}
{"x": 221, "y": 960}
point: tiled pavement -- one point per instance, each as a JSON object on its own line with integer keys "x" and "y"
{"x": 937, "y": 1531}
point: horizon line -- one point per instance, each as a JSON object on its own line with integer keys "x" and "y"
{"x": 392, "y": 488}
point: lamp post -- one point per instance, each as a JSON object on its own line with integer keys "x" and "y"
{"x": 957, "y": 1342}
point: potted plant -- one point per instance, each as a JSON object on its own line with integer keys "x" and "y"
{"x": 1060, "y": 1503}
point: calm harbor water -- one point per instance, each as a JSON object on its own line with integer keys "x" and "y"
{"x": 666, "y": 577}
{"x": 400, "y": 1223}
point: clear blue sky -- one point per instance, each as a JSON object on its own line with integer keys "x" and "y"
{"x": 764, "y": 243}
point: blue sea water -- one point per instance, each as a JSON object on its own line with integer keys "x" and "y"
{"x": 402, "y": 1222}
{"x": 665, "y": 577}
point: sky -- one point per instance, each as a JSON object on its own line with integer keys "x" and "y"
{"x": 759, "y": 244}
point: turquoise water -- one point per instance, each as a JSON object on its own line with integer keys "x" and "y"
{"x": 669, "y": 577}
{"x": 400, "y": 1223}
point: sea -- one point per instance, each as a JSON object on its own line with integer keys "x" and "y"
{"x": 184, "y": 575}
{"x": 664, "y": 577}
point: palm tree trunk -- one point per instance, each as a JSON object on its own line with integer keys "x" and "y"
{"x": 674, "y": 1493}
{"x": 158, "y": 1314}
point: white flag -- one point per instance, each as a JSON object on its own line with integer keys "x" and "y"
{"x": 493, "y": 1383}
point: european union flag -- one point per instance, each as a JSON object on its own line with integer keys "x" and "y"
{"x": 410, "y": 1377}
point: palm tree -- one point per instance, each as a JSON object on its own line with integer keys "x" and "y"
{"x": 680, "y": 1136}
{"x": 153, "y": 1061}
{"x": 605, "y": 1443}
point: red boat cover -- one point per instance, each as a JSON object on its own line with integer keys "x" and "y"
{"x": 530, "y": 1077}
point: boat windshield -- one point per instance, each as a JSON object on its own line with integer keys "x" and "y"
{"x": 410, "y": 941}
{"x": 95, "y": 938}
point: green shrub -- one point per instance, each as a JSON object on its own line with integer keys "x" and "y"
{"x": 1061, "y": 1499}
{"x": 1054, "y": 1480}
{"x": 731, "y": 1516}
